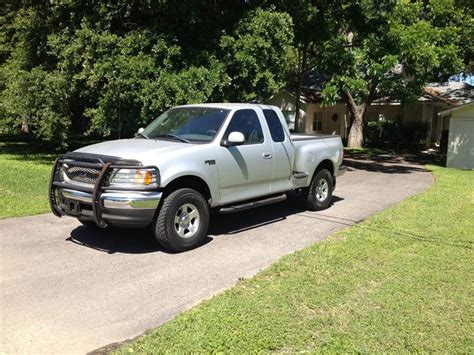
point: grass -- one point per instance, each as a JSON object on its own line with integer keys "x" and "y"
{"x": 402, "y": 281}
{"x": 24, "y": 176}
{"x": 368, "y": 151}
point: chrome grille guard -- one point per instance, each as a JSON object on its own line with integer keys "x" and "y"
{"x": 103, "y": 164}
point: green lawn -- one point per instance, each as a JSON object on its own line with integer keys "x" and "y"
{"x": 402, "y": 281}
{"x": 25, "y": 169}
{"x": 24, "y": 177}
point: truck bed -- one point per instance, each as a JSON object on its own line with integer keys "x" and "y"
{"x": 296, "y": 137}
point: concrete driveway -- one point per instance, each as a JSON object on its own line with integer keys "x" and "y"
{"x": 65, "y": 288}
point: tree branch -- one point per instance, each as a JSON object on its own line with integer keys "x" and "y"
{"x": 351, "y": 100}
{"x": 372, "y": 88}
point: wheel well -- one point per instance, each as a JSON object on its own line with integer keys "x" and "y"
{"x": 326, "y": 164}
{"x": 192, "y": 182}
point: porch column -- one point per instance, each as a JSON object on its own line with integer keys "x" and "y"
{"x": 427, "y": 117}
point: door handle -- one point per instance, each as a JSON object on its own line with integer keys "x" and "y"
{"x": 267, "y": 155}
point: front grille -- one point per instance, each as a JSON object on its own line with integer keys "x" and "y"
{"x": 81, "y": 174}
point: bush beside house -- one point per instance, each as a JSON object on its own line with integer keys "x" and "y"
{"x": 396, "y": 134}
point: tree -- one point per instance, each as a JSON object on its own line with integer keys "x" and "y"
{"x": 314, "y": 21}
{"x": 122, "y": 62}
{"x": 256, "y": 55}
{"x": 36, "y": 101}
{"x": 389, "y": 48}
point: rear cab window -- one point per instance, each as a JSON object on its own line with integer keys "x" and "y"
{"x": 274, "y": 125}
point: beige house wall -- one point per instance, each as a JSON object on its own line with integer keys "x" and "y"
{"x": 419, "y": 112}
{"x": 286, "y": 102}
{"x": 338, "y": 124}
{"x": 461, "y": 138}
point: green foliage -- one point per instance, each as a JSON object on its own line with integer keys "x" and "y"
{"x": 109, "y": 67}
{"x": 36, "y": 100}
{"x": 397, "y": 47}
{"x": 395, "y": 134}
{"x": 256, "y": 56}
{"x": 114, "y": 66}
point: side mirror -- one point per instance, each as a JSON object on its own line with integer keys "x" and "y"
{"x": 140, "y": 130}
{"x": 235, "y": 138}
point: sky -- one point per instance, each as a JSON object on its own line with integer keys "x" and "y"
{"x": 467, "y": 79}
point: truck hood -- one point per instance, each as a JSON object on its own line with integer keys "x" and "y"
{"x": 137, "y": 149}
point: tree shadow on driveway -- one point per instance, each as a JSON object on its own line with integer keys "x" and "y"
{"x": 382, "y": 166}
{"x": 141, "y": 241}
{"x": 402, "y": 163}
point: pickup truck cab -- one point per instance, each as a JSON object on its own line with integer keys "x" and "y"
{"x": 191, "y": 160}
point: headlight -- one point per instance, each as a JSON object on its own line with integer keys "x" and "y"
{"x": 134, "y": 178}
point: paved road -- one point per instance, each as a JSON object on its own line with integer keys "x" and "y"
{"x": 65, "y": 288}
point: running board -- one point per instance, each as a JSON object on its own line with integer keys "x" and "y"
{"x": 248, "y": 205}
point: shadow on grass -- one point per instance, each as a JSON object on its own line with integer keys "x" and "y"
{"x": 391, "y": 232}
{"x": 26, "y": 150}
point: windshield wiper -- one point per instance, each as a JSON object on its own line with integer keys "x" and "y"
{"x": 169, "y": 135}
{"x": 143, "y": 135}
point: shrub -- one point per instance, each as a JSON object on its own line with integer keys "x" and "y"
{"x": 396, "y": 134}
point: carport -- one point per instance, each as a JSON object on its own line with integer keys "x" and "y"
{"x": 461, "y": 136}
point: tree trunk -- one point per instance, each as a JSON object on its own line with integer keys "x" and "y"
{"x": 356, "y": 133}
{"x": 296, "y": 128}
{"x": 301, "y": 72}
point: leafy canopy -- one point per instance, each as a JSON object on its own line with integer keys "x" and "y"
{"x": 397, "y": 47}
{"x": 108, "y": 67}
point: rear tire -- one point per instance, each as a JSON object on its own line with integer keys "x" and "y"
{"x": 182, "y": 221}
{"x": 318, "y": 195}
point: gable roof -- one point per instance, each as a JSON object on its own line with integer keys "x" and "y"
{"x": 460, "y": 107}
{"x": 450, "y": 92}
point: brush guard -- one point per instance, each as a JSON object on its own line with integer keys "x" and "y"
{"x": 106, "y": 164}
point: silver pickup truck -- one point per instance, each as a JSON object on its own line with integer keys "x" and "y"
{"x": 191, "y": 160}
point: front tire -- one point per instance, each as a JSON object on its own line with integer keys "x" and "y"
{"x": 318, "y": 195}
{"x": 182, "y": 221}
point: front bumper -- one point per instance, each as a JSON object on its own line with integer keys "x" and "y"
{"x": 121, "y": 208}
{"x": 99, "y": 203}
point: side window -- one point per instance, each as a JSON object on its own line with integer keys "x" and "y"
{"x": 246, "y": 122}
{"x": 274, "y": 125}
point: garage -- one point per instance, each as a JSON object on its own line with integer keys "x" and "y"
{"x": 461, "y": 136}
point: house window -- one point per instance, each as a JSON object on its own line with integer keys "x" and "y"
{"x": 317, "y": 121}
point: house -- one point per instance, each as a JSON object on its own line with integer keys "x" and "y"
{"x": 314, "y": 118}
{"x": 461, "y": 136}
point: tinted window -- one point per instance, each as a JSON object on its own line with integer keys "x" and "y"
{"x": 274, "y": 125}
{"x": 246, "y": 122}
{"x": 196, "y": 124}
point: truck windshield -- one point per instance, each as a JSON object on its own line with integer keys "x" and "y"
{"x": 187, "y": 124}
